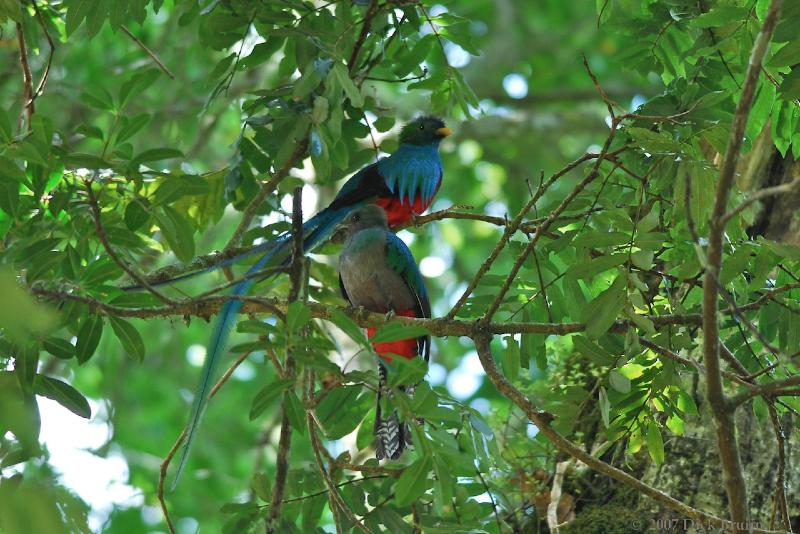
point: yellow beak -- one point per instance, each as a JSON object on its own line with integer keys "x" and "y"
{"x": 444, "y": 132}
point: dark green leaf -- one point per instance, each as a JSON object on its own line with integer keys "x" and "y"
{"x": 129, "y": 337}
{"x": 88, "y": 338}
{"x": 64, "y": 394}
{"x": 156, "y": 154}
{"x": 397, "y": 332}
{"x": 268, "y": 395}
{"x": 60, "y": 348}
{"x": 601, "y": 313}
{"x": 511, "y": 358}
{"x": 413, "y": 482}
{"x": 655, "y": 443}
{"x": 297, "y": 316}
{"x": 177, "y": 231}
{"x": 295, "y": 411}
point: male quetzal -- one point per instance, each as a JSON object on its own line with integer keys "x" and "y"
{"x": 403, "y": 185}
{"x": 378, "y": 272}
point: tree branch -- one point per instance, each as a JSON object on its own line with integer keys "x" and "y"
{"x": 767, "y": 389}
{"x": 285, "y": 440}
{"x": 733, "y": 475}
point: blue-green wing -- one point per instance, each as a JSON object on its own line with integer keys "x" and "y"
{"x": 400, "y": 259}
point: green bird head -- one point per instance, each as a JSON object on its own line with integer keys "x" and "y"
{"x": 426, "y": 130}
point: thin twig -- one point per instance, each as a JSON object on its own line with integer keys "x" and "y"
{"x": 491, "y": 499}
{"x": 665, "y": 352}
{"x": 512, "y": 227}
{"x": 768, "y": 389}
{"x": 266, "y": 188}
{"x": 147, "y": 51}
{"x": 372, "y": 10}
{"x": 760, "y": 195}
{"x": 101, "y": 234}
{"x": 162, "y": 476}
{"x": 46, "y": 73}
{"x": 27, "y": 80}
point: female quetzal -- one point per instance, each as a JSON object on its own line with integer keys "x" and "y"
{"x": 378, "y": 272}
{"x": 403, "y": 185}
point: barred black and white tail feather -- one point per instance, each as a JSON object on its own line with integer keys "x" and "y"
{"x": 391, "y": 436}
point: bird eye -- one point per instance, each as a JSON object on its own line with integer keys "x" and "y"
{"x": 356, "y": 217}
{"x": 421, "y": 126}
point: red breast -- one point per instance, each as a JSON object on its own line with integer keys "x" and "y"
{"x": 407, "y": 348}
{"x": 399, "y": 212}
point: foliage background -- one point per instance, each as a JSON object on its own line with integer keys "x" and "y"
{"x": 508, "y": 77}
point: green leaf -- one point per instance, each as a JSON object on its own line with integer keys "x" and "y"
{"x": 268, "y": 394}
{"x": 349, "y": 327}
{"x": 787, "y": 56}
{"x": 155, "y": 154}
{"x": 9, "y": 197}
{"x": 790, "y": 86}
{"x": 262, "y": 52}
{"x": 60, "y": 348}
{"x": 655, "y": 443}
{"x": 136, "y": 84}
{"x": 415, "y": 55}
{"x": 129, "y": 127}
{"x": 392, "y": 521}
{"x": 605, "y": 406}
{"x": 586, "y": 270}
{"x": 342, "y": 410}
{"x": 600, "y": 314}
{"x": 88, "y": 338}
{"x": 720, "y": 16}
{"x": 177, "y": 231}
{"x": 78, "y": 160}
{"x": 653, "y": 142}
{"x": 619, "y": 381}
{"x": 511, "y": 359}
{"x": 686, "y": 403}
{"x": 64, "y": 394}
{"x": 642, "y": 259}
{"x": 297, "y": 316}
{"x": 397, "y": 332}
{"x": 136, "y": 213}
{"x": 77, "y": 11}
{"x": 174, "y": 187}
{"x": 129, "y": 337}
{"x": 6, "y": 131}
{"x": 592, "y": 350}
{"x": 10, "y": 9}
{"x": 413, "y": 482}
{"x": 97, "y": 97}
{"x": 339, "y": 72}
{"x": 262, "y": 486}
{"x": 295, "y": 411}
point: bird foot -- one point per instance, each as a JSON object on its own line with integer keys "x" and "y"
{"x": 390, "y": 315}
